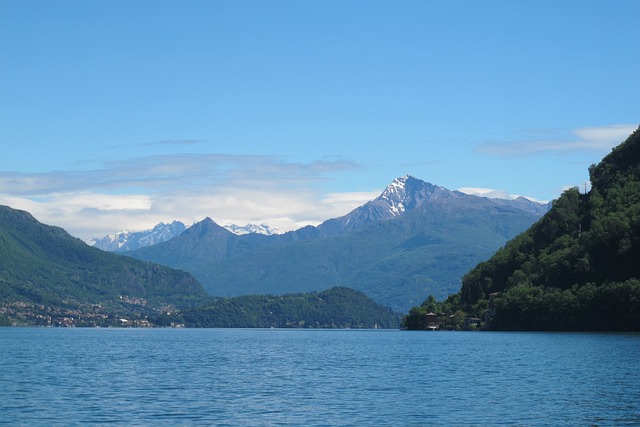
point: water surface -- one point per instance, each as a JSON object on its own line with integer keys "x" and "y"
{"x": 243, "y": 377}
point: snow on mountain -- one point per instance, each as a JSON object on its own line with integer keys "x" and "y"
{"x": 394, "y": 195}
{"x": 402, "y": 195}
{"x": 406, "y": 193}
{"x": 130, "y": 240}
{"x": 253, "y": 228}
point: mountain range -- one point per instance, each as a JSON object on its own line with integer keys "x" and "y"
{"x": 415, "y": 239}
{"x": 130, "y": 240}
{"x": 265, "y": 229}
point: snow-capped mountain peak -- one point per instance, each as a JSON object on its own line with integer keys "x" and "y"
{"x": 129, "y": 240}
{"x": 253, "y": 228}
{"x": 406, "y": 193}
{"x": 395, "y": 194}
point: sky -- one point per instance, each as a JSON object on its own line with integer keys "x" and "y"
{"x": 121, "y": 114}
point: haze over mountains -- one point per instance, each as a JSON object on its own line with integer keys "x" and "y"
{"x": 415, "y": 239}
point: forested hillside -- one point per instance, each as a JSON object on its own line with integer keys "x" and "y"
{"x": 334, "y": 308}
{"x": 578, "y": 268}
{"x": 44, "y": 270}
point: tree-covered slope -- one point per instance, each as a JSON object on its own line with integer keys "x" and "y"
{"x": 577, "y": 268}
{"x": 333, "y": 308}
{"x": 41, "y": 264}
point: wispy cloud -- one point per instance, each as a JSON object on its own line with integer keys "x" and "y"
{"x": 491, "y": 193}
{"x": 138, "y": 193}
{"x": 181, "y": 171}
{"x": 343, "y": 202}
{"x": 543, "y": 142}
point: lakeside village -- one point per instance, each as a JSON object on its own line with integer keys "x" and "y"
{"x": 447, "y": 322}
{"x": 139, "y": 315}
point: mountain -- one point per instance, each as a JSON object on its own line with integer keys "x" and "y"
{"x": 43, "y": 268}
{"x": 525, "y": 204}
{"x": 578, "y": 267}
{"x": 252, "y": 228}
{"x": 415, "y": 239}
{"x": 406, "y": 194}
{"x": 130, "y": 240}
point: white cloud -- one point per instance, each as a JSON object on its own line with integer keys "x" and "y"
{"x": 136, "y": 194}
{"x": 605, "y": 137}
{"x": 348, "y": 198}
{"x": 87, "y": 215}
{"x": 601, "y": 138}
{"x": 180, "y": 171}
{"x": 486, "y": 192}
{"x": 493, "y": 193}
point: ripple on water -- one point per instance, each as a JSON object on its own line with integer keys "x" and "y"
{"x": 311, "y": 377}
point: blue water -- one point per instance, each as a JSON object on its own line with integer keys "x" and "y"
{"x": 236, "y": 377}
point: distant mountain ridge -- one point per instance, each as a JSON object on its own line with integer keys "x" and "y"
{"x": 407, "y": 193}
{"x": 416, "y": 238}
{"x": 131, "y": 240}
{"x": 402, "y": 195}
{"x": 265, "y": 229}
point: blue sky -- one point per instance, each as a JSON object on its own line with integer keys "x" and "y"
{"x": 121, "y": 114}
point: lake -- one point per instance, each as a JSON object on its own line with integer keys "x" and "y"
{"x": 249, "y": 377}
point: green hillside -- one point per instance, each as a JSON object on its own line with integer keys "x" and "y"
{"x": 333, "y": 308}
{"x": 578, "y": 268}
{"x": 43, "y": 266}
